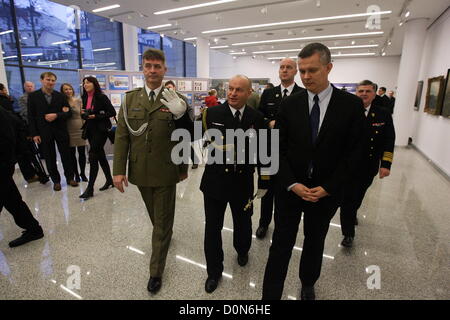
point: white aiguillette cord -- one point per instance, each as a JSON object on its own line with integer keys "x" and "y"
{"x": 142, "y": 128}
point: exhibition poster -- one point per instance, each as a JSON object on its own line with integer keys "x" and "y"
{"x": 119, "y": 82}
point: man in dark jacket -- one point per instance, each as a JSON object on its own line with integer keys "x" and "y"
{"x": 10, "y": 197}
{"x": 48, "y": 110}
{"x": 229, "y": 179}
{"x": 378, "y": 152}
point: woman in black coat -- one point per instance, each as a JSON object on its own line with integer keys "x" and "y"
{"x": 97, "y": 111}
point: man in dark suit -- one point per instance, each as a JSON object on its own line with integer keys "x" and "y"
{"x": 229, "y": 180}
{"x": 377, "y": 156}
{"x": 10, "y": 198}
{"x": 48, "y": 111}
{"x": 320, "y": 133}
{"x": 391, "y": 101}
{"x": 269, "y": 106}
{"x": 382, "y": 100}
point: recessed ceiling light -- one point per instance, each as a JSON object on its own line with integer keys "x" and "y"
{"x": 188, "y": 39}
{"x": 345, "y": 35}
{"x": 407, "y": 14}
{"x": 297, "y": 21}
{"x": 114, "y": 6}
{"x": 238, "y": 53}
{"x": 219, "y": 47}
{"x": 206, "y": 4}
{"x": 160, "y": 26}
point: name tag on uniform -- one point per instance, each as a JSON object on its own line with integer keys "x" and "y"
{"x": 378, "y": 124}
{"x": 164, "y": 110}
{"x": 218, "y": 124}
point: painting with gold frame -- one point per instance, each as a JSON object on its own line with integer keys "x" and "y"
{"x": 435, "y": 93}
{"x": 446, "y": 102}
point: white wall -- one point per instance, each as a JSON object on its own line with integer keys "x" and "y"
{"x": 430, "y": 133}
{"x": 381, "y": 70}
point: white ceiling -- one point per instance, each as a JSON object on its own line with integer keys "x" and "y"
{"x": 191, "y": 23}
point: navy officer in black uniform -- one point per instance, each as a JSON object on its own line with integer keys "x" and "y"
{"x": 378, "y": 152}
{"x": 230, "y": 181}
{"x": 269, "y": 105}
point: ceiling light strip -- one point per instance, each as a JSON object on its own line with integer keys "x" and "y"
{"x": 333, "y": 55}
{"x": 201, "y": 5}
{"x": 160, "y": 26}
{"x": 219, "y": 47}
{"x": 347, "y": 16}
{"x": 114, "y": 6}
{"x": 346, "y": 35}
{"x": 331, "y": 48}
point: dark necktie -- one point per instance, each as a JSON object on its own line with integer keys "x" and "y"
{"x": 237, "y": 120}
{"x": 285, "y": 91}
{"x": 152, "y": 97}
{"x": 314, "y": 119}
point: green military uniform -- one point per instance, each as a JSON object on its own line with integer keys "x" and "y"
{"x": 147, "y": 150}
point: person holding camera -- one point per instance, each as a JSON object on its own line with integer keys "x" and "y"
{"x": 97, "y": 109}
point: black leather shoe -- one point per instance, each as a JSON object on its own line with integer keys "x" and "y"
{"x": 347, "y": 242}
{"x": 107, "y": 185}
{"x": 307, "y": 293}
{"x": 242, "y": 259}
{"x": 88, "y": 193}
{"x": 154, "y": 284}
{"x": 261, "y": 232}
{"x": 211, "y": 284}
{"x": 356, "y": 221}
{"x": 26, "y": 237}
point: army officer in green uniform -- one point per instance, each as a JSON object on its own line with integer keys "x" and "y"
{"x": 146, "y": 120}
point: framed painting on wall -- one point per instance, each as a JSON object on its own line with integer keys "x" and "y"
{"x": 418, "y": 95}
{"x": 446, "y": 103}
{"x": 435, "y": 92}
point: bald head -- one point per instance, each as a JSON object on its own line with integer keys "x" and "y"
{"x": 239, "y": 90}
{"x": 28, "y": 86}
{"x": 287, "y": 71}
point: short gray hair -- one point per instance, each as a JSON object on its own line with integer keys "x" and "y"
{"x": 368, "y": 83}
{"x": 321, "y": 49}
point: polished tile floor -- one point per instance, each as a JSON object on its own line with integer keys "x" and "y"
{"x": 404, "y": 230}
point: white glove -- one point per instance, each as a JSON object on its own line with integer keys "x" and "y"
{"x": 174, "y": 103}
{"x": 261, "y": 193}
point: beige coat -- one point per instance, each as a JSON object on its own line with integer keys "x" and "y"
{"x": 75, "y": 123}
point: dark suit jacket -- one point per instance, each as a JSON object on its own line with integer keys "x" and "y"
{"x": 379, "y": 140}
{"x": 337, "y": 146}
{"x": 38, "y": 108}
{"x": 6, "y": 103}
{"x": 271, "y": 100}
{"x": 103, "y": 110}
{"x": 221, "y": 181}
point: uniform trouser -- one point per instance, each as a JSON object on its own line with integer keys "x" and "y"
{"x": 97, "y": 155}
{"x": 11, "y": 199}
{"x": 316, "y": 221}
{"x": 81, "y": 159}
{"x": 242, "y": 230}
{"x": 160, "y": 204}
{"x": 267, "y": 204}
{"x": 48, "y": 146}
{"x": 353, "y": 196}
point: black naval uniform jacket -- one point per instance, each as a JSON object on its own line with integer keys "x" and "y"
{"x": 223, "y": 181}
{"x": 379, "y": 140}
{"x": 271, "y": 100}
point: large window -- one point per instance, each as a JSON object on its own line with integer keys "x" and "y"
{"x": 191, "y": 60}
{"x": 147, "y": 39}
{"x": 34, "y": 75}
{"x": 173, "y": 50}
{"x": 14, "y": 81}
{"x": 7, "y": 34}
{"x": 47, "y": 34}
{"x": 101, "y": 43}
